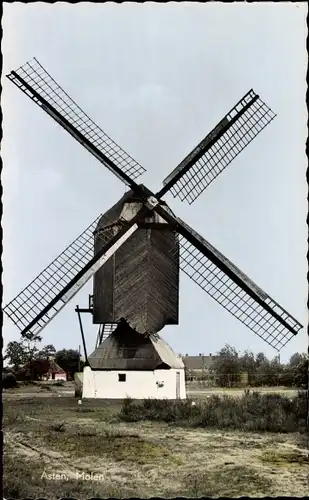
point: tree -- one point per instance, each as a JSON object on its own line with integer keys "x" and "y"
{"x": 19, "y": 353}
{"x": 29, "y": 341}
{"x": 286, "y": 378}
{"x": 267, "y": 372}
{"x": 300, "y": 372}
{"x": 275, "y": 370}
{"x": 296, "y": 358}
{"x": 295, "y": 371}
{"x": 187, "y": 376}
{"x": 34, "y": 369}
{"x": 16, "y": 354}
{"x": 227, "y": 366}
{"x": 247, "y": 364}
{"x": 31, "y": 351}
{"x": 69, "y": 360}
{"x": 8, "y": 380}
{"x": 260, "y": 359}
{"x": 47, "y": 352}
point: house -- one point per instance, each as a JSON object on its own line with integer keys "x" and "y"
{"x": 55, "y": 372}
{"x": 198, "y": 366}
{"x": 43, "y": 369}
{"x": 135, "y": 365}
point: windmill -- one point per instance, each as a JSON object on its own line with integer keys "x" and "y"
{"x": 135, "y": 250}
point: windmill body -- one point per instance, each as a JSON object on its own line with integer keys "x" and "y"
{"x": 140, "y": 282}
{"x": 137, "y": 289}
{"x": 135, "y": 250}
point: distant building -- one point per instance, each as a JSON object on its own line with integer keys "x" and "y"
{"x": 44, "y": 369}
{"x": 55, "y": 372}
{"x": 197, "y": 366}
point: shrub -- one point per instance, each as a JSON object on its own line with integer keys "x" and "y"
{"x": 130, "y": 411}
{"x": 59, "y": 383}
{"x": 252, "y": 412}
{"x": 58, "y": 427}
{"x": 8, "y": 380}
{"x": 46, "y": 388}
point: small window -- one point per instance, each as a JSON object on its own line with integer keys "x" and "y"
{"x": 121, "y": 377}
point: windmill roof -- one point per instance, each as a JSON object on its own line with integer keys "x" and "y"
{"x": 126, "y": 349}
{"x": 112, "y": 215}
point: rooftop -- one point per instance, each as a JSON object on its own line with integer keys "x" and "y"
{"x": 126, "y": 349}
{"x": 198, "y": 362}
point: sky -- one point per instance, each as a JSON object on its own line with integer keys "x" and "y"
{"x": 157, "y": 78}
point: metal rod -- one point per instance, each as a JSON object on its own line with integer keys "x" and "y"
{"x": 101, "y": 332}
{"x": 82, "y": 333}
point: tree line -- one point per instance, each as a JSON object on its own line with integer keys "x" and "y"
{"x": 27, "y": 362}
{"x": 229, "y": 367}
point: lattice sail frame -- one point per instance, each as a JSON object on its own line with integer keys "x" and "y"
{"x": 233, "y": 134}
{"x": 235, "y": 299}
{"x": 43, "y": 84}
{"x": 45, "y": 287}
{"x": 32, "y": 300}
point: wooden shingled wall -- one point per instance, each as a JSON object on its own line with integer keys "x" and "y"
{"x": 140, "y": 283}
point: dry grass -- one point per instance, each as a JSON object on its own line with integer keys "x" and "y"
{"x": 285, "y": 456}
{"x": 251, "y": 412}
{"x": 198, "y": 391}
{"x": 140, "y": 459}
{"x": 229, "y": 481}
{"x": 103, "y": 441}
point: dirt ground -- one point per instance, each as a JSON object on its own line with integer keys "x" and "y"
{"x": 55, "y": 447}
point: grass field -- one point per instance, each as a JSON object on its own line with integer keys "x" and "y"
{"x": 198, "y": 391}
{"x": 55, "y": 447}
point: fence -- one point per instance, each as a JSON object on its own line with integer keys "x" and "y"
{"x": 242, "y": 379}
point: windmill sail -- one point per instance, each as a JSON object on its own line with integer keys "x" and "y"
{"x": 53, "y": 288}
{"x": 231, "y": 288}
{"x": 49, "y": 292}
{"x": 35, "y": 82}
{"x": 218, "y": 149}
